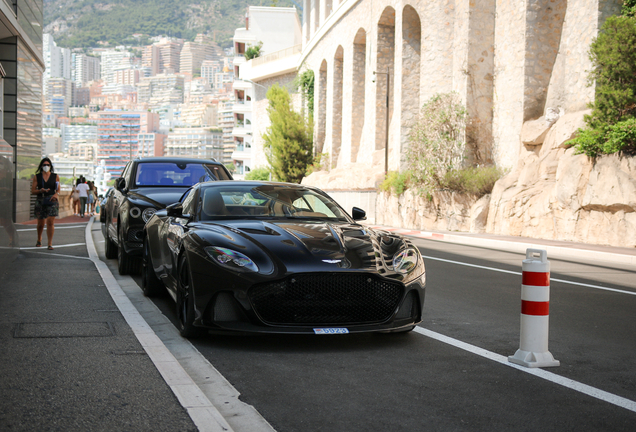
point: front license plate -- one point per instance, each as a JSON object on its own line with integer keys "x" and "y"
{"x": 334, "y": 330}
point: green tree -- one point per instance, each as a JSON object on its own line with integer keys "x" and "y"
{"x": 613, "y": 57}
{"x": 610, "y": 126}
{"x": 306, "y": 84}
{"x": 289, "y": 138}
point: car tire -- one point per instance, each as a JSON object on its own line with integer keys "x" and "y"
{"x": 125, "y": 263}
{"x": 111, "y": 246}
{"x": 185, "y": 301}
{"x": 151, "y": 285}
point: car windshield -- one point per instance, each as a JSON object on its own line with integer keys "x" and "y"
{"x": 177, "y": 174}
{"x": 242, "y": 201}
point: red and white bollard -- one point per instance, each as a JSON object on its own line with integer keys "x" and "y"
{"x": 535, "y": 308}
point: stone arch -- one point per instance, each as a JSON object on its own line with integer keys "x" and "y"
{"x": 358, "y": 91}
{"x": 321, "y": 107}
{"x": 336, "y": 124}
{"x": 385, "y": 64}
{"x": 411, "y": 55}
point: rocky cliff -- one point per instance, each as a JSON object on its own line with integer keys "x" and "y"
{"x": 552, "y": 194}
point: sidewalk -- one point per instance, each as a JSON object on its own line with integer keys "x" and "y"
{"x": 70, "y": 359}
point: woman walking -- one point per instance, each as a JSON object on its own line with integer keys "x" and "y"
{"x": 91, "y": 198}
{"x": 46, "y": 185}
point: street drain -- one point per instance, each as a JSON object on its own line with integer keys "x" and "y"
{"x": 63, "y": 330}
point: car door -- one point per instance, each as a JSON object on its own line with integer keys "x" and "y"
{"x": 175, "y": 229}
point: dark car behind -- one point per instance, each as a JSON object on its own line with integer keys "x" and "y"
{"x": 148, "y": 185}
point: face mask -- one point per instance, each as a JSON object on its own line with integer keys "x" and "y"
{"x": 46, "y": 168}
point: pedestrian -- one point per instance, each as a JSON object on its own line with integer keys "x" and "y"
{"x": 75, "y": 198}
{"x": 91, "y": 198}
{"x": 82, "y": 188}
{"x": 46, "y": 185}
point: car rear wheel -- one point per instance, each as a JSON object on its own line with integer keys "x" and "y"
{"x": 150, "y": 283}
{"x": 185, "y": 302}
{"x": 125, "y": 263}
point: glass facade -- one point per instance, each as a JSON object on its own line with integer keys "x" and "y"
{"x": 21, "y": 143}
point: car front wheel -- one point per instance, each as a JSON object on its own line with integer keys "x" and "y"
{"x": 150, "y": 283}
{"x": 185, "y": 302}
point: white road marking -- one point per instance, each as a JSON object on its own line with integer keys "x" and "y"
{"x": 57, "y": 227}
{"x": 54, "y": 246}
{"x": 59, "y": 255}
{"x": 519, "y": 273}
{"x": 539, "y": 373}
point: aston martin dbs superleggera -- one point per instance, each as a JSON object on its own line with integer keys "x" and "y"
{"x": 279, "y": 258}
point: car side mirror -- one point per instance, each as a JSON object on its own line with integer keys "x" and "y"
{"x": 120, "y": 184}
{"x": 358, "y": 214}
{"x": 175, "y": 210}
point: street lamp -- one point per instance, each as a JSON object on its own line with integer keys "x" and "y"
{"x": 386, "y": 145}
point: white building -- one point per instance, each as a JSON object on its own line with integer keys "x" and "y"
{"x": 77, "y": 133}
{"x": 69, "y": 167}
{"x": 205, "y": 143}
{"x": 277, "y": 30}
{"x": 56, "y": 60}
{"x": 85, "y": 69}
{"x": 113, "y": 60}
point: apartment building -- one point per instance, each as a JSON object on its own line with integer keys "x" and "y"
{"x": 113, "y": 60}
{"x": 77, "y": 133}
{"x": 204, "y": 143}
{"x": 117, "y": 136}
{"x": 85, "y": 69}
{"x": 161, "y": 90}
{"x": 151, "y": 144}
{"x": 58, "y": 95}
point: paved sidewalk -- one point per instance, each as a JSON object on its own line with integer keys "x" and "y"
{"x": 69, "y": 361}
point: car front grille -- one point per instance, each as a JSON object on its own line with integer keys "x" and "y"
{"x": 326, "y": 299}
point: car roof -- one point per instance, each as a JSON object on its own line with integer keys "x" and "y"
{"x": 220, "y": 183}
{"x": 177, "y": 159}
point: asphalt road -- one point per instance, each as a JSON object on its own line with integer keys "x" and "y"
{"x": 414, "y": 382}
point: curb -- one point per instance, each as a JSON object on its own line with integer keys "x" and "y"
{"x": 204, "y": 415}
{"x": 562, "y": 252}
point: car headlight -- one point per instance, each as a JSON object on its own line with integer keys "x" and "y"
{"x": 405, "y": 261}
{"x": 231, "y": 259}
{"x": 147, "y": 214}
{"x": 135, "y": 212}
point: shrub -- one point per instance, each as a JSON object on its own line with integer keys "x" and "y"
{"x": 397, "y": 182}
{"x": 261, "y": 174}
{"x": 472, "y": 180}
{"x": 437, "y": 140}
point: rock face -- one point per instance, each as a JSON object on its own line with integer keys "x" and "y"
{"x": 556, "y": 194}
{"x": 552, "y": 194}
{"x": 446, "y": 211}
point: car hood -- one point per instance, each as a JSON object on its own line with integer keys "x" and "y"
{"x": 301, "y": 246}
{"x": 157, "y": 197}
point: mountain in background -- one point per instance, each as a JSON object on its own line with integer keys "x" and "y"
{"x": 93, "y": 23}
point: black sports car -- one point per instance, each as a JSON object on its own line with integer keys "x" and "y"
{"x": 279, "y": 258}
{"x": 145, "y": 186}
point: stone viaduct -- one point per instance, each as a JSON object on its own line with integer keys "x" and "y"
{"x": 509, "y": 60}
